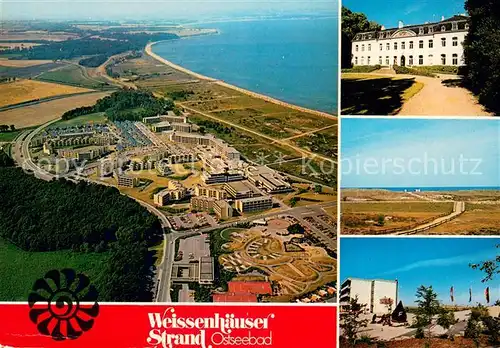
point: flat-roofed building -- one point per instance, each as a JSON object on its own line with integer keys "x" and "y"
{"x": 206, "y": 270}
{"x": 212, "y": 192}
{"x": 232, "y": 297}
{"x": 240, "y": 189}
{"x": 161, "y": 126}
{"x": 125, "y": 180}
{"x": 181, "y": 127}
{"x": 174, "y": 192}
{"x": 190, "y": 138}
{"x": 270, "y": 180}
{"x": 248, "y": 205}
{"x": 202, "y": 203}
{"x": 373, "y": 293}
{"x": 223, "y": 209}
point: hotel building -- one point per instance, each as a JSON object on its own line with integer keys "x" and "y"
{"x": 370, "y": 292}
{"x": 439, "y": 43}
{"x": 248, "y": 205}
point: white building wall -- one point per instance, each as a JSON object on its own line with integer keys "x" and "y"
{"x": 369, "y": 52}
{"x": 384, "y": 289}
{"x": 362, "y": 289}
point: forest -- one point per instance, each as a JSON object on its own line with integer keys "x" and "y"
{"x": 40, "y": 216}
{"x": 111, "y": 44}
{"x": 125, "y": 105}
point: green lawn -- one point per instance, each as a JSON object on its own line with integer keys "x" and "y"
{"x": 73, "y": 75}
{"x": 98, "y": 117}
{"x": 20, "y": 269}
{"x": 9, "y": 136}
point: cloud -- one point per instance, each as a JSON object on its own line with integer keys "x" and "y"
{"x": 442, "y": 262}
{"x": 415, "y": 7}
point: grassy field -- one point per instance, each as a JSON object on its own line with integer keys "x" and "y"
{"x": 9, "y": 136}
{"x": 226, "y": 233}
{"x": 74, "y": 75}
{"x": 364, "y": 94}
{"x": 43, "y": 112}
{"x": 20, "y": 269}
{"x": 98, "y": 117}
{"x": 323, "y": 142}
{"x": 359, "y": 218}
{"x": 478, "y": 219}
{"x": 26, "y": 90}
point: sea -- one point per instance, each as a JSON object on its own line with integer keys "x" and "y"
{"x": 423, "y": 189}
{"x": 294, "y": 60}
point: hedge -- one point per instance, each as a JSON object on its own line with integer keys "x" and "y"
{"x": 362, "y": 69}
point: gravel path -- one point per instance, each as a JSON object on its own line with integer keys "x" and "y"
{"x": 437, "y": 99}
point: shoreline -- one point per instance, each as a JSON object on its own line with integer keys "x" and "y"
{"x": 264, "y": 97}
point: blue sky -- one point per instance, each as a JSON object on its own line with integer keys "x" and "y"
{"x": 440, "y": 262}
{"x": 157, "y": 9}
{"x": 421, "y": 153}
{"x": 388, "y": 13}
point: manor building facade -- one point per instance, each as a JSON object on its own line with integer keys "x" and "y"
{"x": 426, "y": 44}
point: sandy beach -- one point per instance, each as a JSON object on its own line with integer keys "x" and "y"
{"x": 150, "y": 52}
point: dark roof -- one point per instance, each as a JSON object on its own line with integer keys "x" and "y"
{"x": 436, "y": 27}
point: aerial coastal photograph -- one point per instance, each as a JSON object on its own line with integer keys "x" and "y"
{"x": 430, "y": 292}
{"x": 172, "y": 151}
{"x": 419, "y": 59}
{"x": 420, "y": 176}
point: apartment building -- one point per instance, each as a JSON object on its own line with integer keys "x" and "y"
{"x": 248, "y": 205}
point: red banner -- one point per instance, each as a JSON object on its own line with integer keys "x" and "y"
{"x": 153, "y": 325}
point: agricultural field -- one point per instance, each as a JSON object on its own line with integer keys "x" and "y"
{"x": 387, "y": 217}
{"x": 36, "y": 35}
{"x": 20, "y": 269}
{"x": 74, "y": 75}
{"x": 98, "y": 117}
{"x": 25, "y": 70}
{"x": 21, "y": 45}
{"x": 21, "y": 91}
{"x": 33, "y": 115}
{"x": 478, "y": 219}
{"x": 13, "y": 63}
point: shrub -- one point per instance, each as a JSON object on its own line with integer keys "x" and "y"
{"x": 442, "y": 69}
{"x": 410, "y": 71}
{"x": 362, "y": 69}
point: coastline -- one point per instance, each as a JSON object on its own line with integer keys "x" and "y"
{"x": 150, "y": 52}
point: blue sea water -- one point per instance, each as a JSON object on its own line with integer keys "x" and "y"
{"x": 292, "y": 60}
{"x": 413, "y": 189}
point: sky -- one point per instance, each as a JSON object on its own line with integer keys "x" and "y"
{"x": 157, "y": 9}
{"x": 389, "y": 12}
{"x": 378, "y": 153}
{"x": 440, "y": 262}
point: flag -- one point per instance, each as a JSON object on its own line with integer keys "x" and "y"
{"x": 451, "y": 295}
{"x": 470, "y": 295}
{"x": 487, "y": 294}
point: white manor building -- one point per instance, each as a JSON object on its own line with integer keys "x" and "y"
{"x": 438, "y": 43}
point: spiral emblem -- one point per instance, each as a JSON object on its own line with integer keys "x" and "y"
{"x": 60, "y": 311}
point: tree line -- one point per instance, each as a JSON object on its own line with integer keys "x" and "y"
{"x": 125, "y": 105}
{"x": 5, "y": 128}
{"x": 43, "y": 216}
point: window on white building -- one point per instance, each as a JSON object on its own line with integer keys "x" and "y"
{"x": 357, "y": 48}
{"x": 387, "y": 61}
{"x": 362, "y": 48}
{"x": 368, "y": 61}
{"x": 355, "y": 60}
{"x": 455, "y": 41}
{"x": 369, "y": 47}
{"x": 362, "y": 60}
{"x": 411, "y": 45}
{"x": 443, "y": 28}
{"x": 395, "y": 45}
{"x": 403, "y": 45}
{"x": 431, "y": 43}
{"x": 455, "y": 59}
{"x": 430, "y": 59}
{"x": 421, "y": 44}
{"x": 443, "y": 41}
{"x": 443, "y": 59}
{"x": 380, "y": 60}
{"x": 421, "y": 31}
{"x": 420, "y": 60}
{"x": 410, "y": 60}
{"x": 431, "y": 30}
{"x": 454, "y": 26}
{"x": 388, "y": 46}
{"x": 381, "y": 47}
